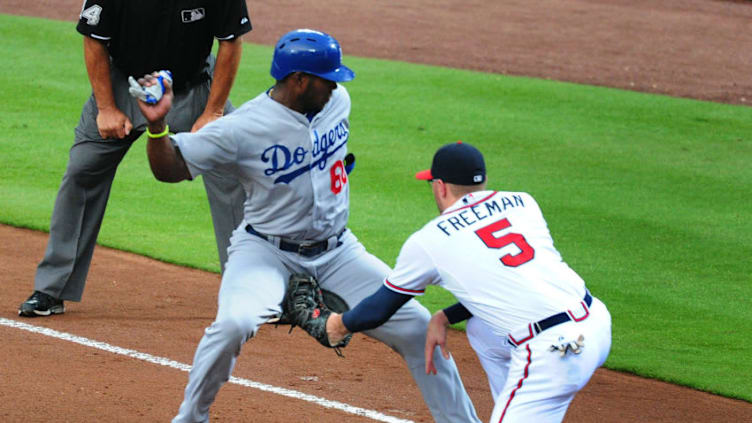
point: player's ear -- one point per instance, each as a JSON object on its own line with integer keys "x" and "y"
{"x": 439, "y": 189}
{"x": 302, "y": 79}
{"x": 441, "y": 186}
{"x": 294, "y": 79}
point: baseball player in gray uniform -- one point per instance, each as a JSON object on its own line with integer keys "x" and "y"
{"x": 287, "y": 146}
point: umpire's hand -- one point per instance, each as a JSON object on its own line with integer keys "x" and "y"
{"x": 113, "y": 123}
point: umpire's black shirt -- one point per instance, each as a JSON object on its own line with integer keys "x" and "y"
{"x": 144, "y": 36}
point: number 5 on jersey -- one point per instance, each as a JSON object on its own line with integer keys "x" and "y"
{"x": 487, "y": 234}
{"x": 339, "y": 176}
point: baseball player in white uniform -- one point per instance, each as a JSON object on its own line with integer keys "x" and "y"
{"x": 287, "y": 147}
{"x": 537, "y": 330}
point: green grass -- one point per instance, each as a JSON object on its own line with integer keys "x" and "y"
{"x": 647, "y": 197}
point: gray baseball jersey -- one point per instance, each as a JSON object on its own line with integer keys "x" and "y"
{"x": 292, "y": 169}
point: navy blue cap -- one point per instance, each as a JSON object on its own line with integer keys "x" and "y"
{"x": 457, "y": 163}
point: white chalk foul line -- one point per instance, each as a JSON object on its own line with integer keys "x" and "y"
{"x": 374, "y": 415}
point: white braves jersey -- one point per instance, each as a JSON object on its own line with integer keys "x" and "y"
{"x": 494, "y": 252}
{"x": 291, "y": 167}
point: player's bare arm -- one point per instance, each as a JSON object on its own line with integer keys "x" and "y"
{"x": 335, "y": 329}
{"x": 111, "y": 121}
{"x": 436, "y": 334}
{"x": 225, "y": 69}
{"x": 165, "y": 160}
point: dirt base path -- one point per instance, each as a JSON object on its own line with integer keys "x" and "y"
{"x": 691, "y": 48}
{"x": 159, "y": 309}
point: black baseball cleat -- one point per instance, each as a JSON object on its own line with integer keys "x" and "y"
{"x": 41, "y": 304}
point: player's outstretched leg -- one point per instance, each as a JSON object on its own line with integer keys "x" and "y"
{"x": 252, "y": 286}
{"x": 354, "y": 274}
{"x": 443, "y": 392}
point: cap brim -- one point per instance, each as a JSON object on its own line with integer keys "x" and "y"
{"x": 341, "y": 74}
{"x": 424, "y": 175}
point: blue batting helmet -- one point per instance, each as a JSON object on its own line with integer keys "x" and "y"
{"x": 309, "y": 51}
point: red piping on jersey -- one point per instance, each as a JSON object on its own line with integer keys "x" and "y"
{"x": 470, "y": 205}
{"x": 519, "y": 384}
{"x": 397, "y": 288}
{"x": 523, "y": 340}
{"x": 587, "y": 313}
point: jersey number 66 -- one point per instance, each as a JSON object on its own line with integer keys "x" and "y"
{"x": 339, "y": 176}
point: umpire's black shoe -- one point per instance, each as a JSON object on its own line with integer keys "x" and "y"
{"x": 41, "y": 304}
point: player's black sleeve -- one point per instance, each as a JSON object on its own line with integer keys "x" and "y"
{"x": 375, "y": 310}
{"x": 456, "y": 313}
{"x": 231, "y": 19}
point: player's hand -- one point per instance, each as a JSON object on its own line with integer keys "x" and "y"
{"x": 156, "y": 112}
{"x": 436, "y": 334}
{"x": 335, "y": 329}
{"x": 113, "y": 123}
{"x": 206, "y": 118}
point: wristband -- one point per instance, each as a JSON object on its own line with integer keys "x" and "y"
{"x": 159, "y": 135}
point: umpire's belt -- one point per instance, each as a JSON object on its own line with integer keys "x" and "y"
{"x": 305, "y": 248}
{"x": 524, "y": 334}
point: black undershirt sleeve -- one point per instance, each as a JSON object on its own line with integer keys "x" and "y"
{"x": 457, "y": 313}
{"x": 375, "y": 310}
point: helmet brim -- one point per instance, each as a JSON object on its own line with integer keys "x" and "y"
{"x": 341, "y": 74}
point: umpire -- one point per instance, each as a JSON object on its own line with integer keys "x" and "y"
{"x": 135, "y": 37}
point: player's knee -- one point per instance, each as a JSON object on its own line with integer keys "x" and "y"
{"x": 415, "y": 313}
{"x": 240, "y": 327}
{"x": 405, "y": 336}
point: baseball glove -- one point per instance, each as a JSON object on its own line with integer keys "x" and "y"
{"x": 308, "y": 306}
